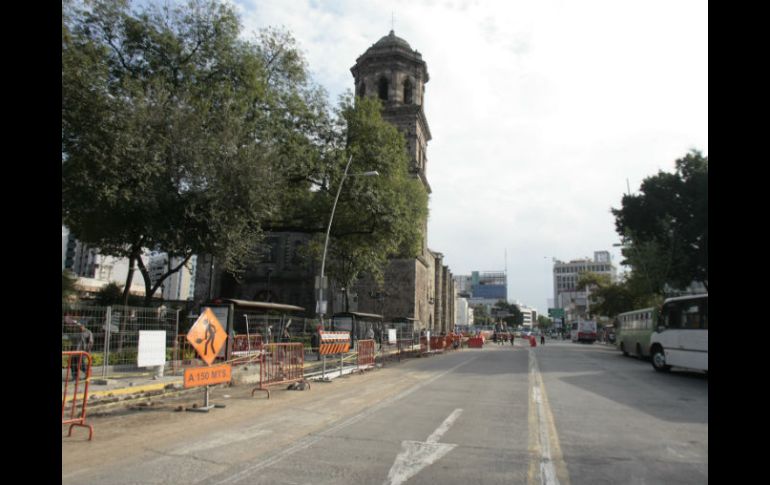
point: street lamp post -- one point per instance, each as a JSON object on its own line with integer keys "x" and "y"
{"x": 322, "y": 283}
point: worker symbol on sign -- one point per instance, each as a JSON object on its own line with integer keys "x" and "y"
{"x": 207, "y": 336}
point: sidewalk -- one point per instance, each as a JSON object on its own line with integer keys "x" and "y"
{"x": 130, "y": 389}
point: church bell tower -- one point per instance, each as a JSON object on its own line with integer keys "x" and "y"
{"x": 395, "y": 73}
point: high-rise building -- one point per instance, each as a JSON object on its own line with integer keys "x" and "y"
{"x": 483, "y": 288}
{"x": 565, "y": 280}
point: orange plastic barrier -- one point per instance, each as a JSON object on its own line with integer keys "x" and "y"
{"x": 365, "y": 354}
{"x": 76, "y": 402}
{"x": 476, "y": 342}
{"x": 281, "y": 364}
{"x": 437, "y": 344}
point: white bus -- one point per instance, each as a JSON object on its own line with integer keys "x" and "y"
{"x": 583, "y": 331}
{"x": 682, "y": 336}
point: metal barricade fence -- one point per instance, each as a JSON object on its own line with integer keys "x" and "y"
{"x": 183, "y": 355}
{"x": 365, "y": 354}
{"x": 406, "y": 348}
{"x": 246, "y": 349}
{"x": 76, "y": 402}
{"x": 115, "y": 331}
{"x": 281, "y": 364}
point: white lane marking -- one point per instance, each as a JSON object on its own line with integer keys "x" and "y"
{"x": 311, "y": 440}
{"x": 416, "y": 455}
{"x": 547, "y": 469}
{"x": 441, "y": 430}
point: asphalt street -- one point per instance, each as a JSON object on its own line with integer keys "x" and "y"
{"x": 560, "y": 413}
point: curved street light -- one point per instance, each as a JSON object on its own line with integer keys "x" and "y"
{"x": 322, "y": 281}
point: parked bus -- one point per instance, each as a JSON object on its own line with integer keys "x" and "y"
{"x": 583, "y": 331}
{"x": 682, "y": 336}
{"x": 634, "y": 331}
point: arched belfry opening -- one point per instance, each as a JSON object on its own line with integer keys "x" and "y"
{"x": 362, "y": 90}
{"x": 382, "y": 88}
{"x": 408, "y": 92}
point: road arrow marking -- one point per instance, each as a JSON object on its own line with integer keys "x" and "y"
{"x": 416, "y": 455}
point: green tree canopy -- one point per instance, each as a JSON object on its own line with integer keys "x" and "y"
{"x": 376, "y": 218}
{"x": 68, "y": 289}
{"x": 179, "y": 136}
{"x": 514, "y": 316}
{"x": 665, "y": 226}
{"x": 612, "y": 298}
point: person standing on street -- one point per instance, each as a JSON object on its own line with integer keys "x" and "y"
{"x": 315, "y": 342}
{"x": 85, "y": 344}
{"x": 542, "y": 338}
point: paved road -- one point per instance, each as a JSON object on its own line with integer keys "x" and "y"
{"x": 563, "y": 413}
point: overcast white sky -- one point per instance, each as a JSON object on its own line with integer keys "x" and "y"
{"x": 540, "y": 112}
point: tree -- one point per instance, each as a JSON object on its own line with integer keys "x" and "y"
{"x": 376, "y": 218}
{"x": 480, "y": 315}
{"x": 68, "y": 288}
{"x": 514, "y": 316}
{"x": 610, "y": 299}
{"x": 665, "y": 227}
{"x": 177, "y": 135}
{"x": 544, "y": 322}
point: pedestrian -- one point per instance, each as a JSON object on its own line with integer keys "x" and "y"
{"x": 315, "y": 342}
{"x": 84, "y": 344}
{"x": 370, "y": 333}
{"x": 285, "y": 336}
{"x": 542, "y": 339}
{"x": 268, "y": 333}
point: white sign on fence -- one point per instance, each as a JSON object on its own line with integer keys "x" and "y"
{"x": 152, "y": 348}
{"x": 392, "y": 335}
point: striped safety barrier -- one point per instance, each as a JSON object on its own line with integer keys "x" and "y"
{"x": 334, "y": 342}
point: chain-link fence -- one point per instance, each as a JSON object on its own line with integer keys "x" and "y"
{"x": 115, "y": 331}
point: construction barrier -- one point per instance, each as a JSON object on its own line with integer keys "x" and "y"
{"x": 365, "y": 354}
{"x": 76, "y": 402}
{"x": 281, "y": 364}
{"x": 405, "y": 347}
{"x": 334, "y": 342}
{"x": 437, "y": 343}
{"x": 246, "y": 349}
{"x": 476, "y": 342}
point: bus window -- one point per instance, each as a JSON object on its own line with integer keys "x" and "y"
{"x": 671, "y": 316}
{"x": 691, "y": 317}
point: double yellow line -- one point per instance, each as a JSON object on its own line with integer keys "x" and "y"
{"x": 547, "y": 465}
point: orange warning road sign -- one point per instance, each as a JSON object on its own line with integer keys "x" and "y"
{"x": 207, "y": 336}
{"x": 205, "y": 376}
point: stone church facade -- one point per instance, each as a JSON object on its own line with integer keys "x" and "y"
{"x": 419, "y": 289}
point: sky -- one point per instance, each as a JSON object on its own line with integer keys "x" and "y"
{"x": 543, "y": 113}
